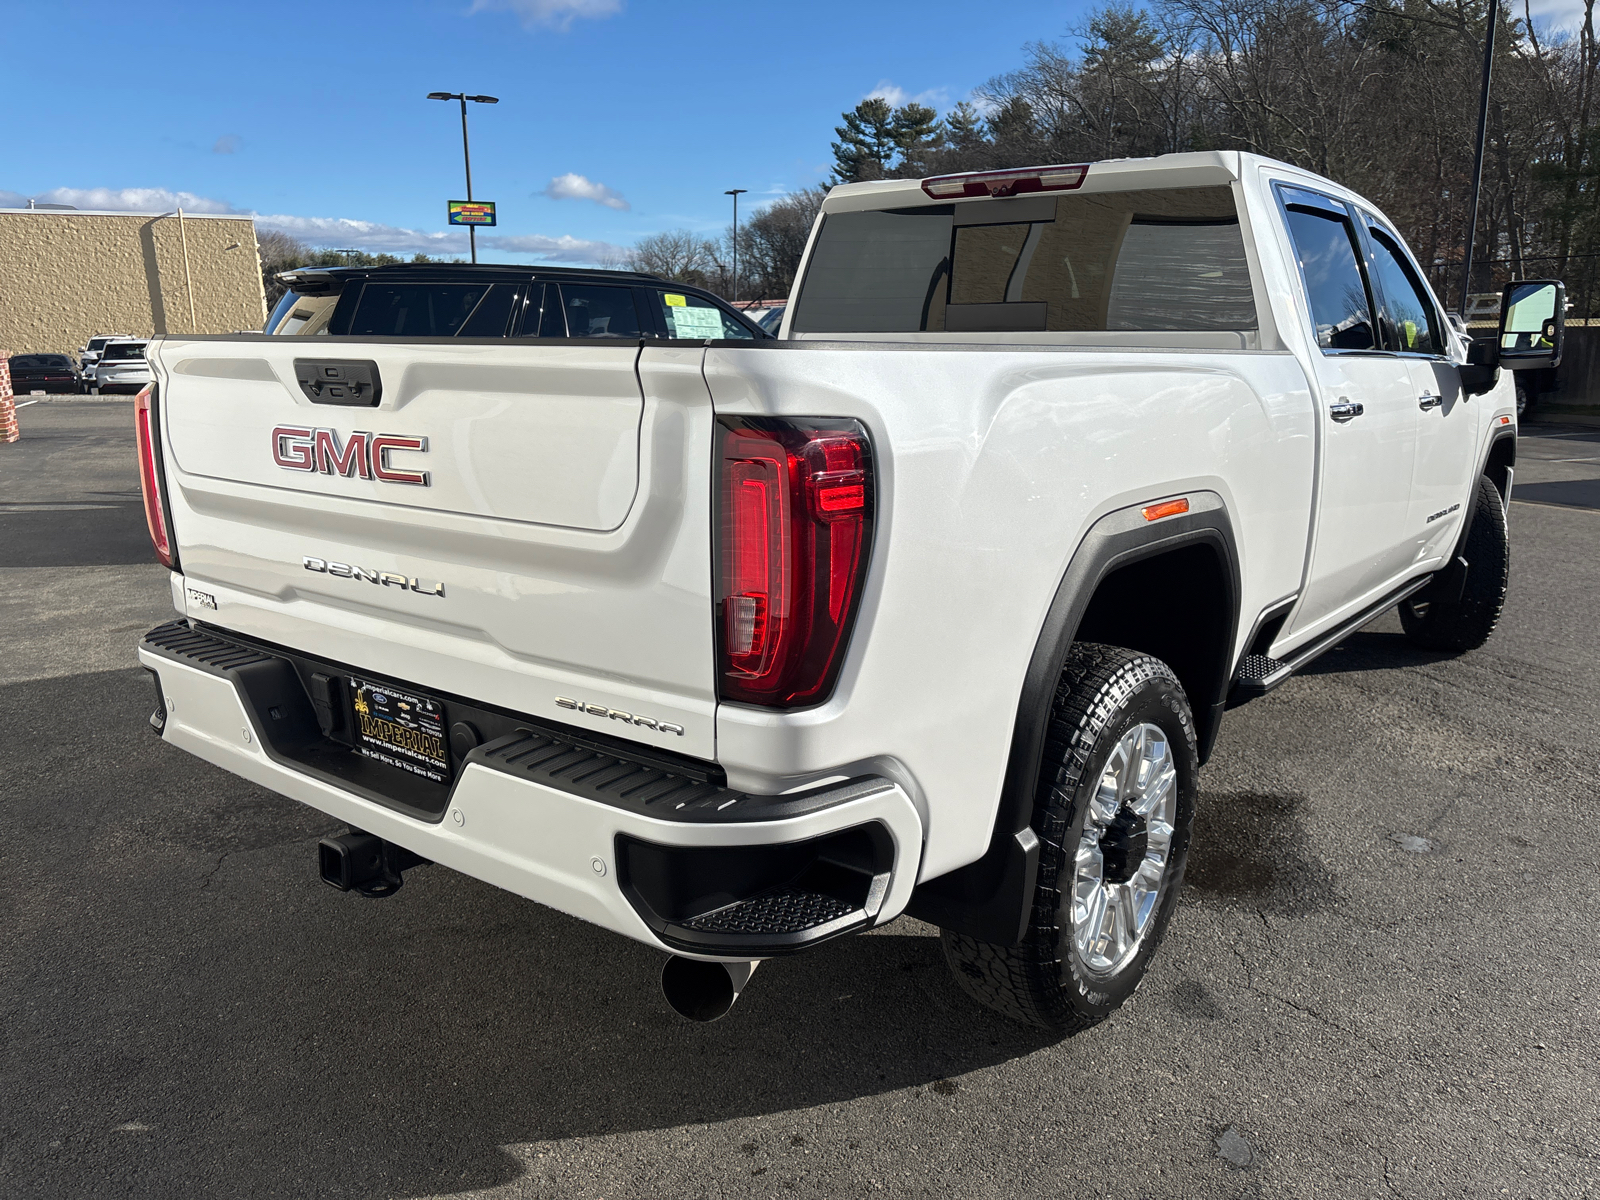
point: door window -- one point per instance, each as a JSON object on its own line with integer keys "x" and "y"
{"x": 1325, "y": 244}
{"x": 489, "y": 319}
{"x": 599, "y": 312}
{"x": 687, "y": 316}
{"x": 1409, "y": 323}
{"x": 414, "y": 309}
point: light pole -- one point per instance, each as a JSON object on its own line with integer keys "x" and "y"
{"x": 1477, "y": 161}
{"x": 735, "y": 193}
{"x": 466, "y": 153}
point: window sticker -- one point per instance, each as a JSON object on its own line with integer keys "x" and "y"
{"x": 695, "y": 322}
{"x": 677, "y": 301}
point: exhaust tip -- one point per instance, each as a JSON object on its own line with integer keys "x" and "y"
{"x": 704, "y": 991}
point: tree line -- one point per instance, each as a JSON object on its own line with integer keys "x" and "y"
{"x": 282, "y": 252}
{"x": 1380, "y": 95}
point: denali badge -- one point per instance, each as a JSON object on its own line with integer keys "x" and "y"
{"x": 616, "y": 714}
{"x": 296, "y": 448}
{"x": 385, "y": 578}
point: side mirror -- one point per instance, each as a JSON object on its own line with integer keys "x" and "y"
{"x": 1481, "y": 372}
{"x": 1533, "y": 318}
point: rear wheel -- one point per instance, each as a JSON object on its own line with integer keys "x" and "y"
{"x": 1437, "y": 619}
{"x": 1114, "y": 816}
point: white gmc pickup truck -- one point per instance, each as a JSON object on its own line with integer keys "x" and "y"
{"x": 581, "y": 584}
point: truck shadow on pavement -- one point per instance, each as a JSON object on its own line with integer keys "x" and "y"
{"x": 1374, "y": 650}
{"x": 189, "y": 1011}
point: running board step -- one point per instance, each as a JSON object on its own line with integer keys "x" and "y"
{"x": 1258, "y": 674}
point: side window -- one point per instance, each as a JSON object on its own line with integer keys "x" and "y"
{"x": 1409, "y": 323}
{"x": 489, "y": 319}
{"x": 599, "y": 312}
{"x": 541, "y": 315}
{"x": 414, "y": 309}
{"x": 1326, "y": 246}
{"x": 686, "y": 316}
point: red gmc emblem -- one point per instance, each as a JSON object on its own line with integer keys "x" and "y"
{"x": 296, "y": 448}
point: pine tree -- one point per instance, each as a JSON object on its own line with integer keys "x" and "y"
{"x": 917, "y": 133}
{"x": 963, "y": 127}
{"x": 867, "y": 142}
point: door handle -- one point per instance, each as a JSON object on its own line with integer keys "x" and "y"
{"x": 1427, "y": 400}
{"x": 1345, "y": 410}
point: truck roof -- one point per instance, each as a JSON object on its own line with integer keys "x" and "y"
{"x": 1196, "y": 169}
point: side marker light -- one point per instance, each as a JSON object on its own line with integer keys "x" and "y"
{"x": 1167, "y": 508}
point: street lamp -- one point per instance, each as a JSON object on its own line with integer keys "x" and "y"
{"x": 735, "y": 193}
{"x": 1477, "y": 161}
{"x": 466, "y": 153}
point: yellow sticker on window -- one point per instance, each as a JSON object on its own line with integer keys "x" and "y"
{"x": 677, "y": 301}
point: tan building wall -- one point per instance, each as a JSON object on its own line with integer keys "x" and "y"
{"x": 66, "y": 276}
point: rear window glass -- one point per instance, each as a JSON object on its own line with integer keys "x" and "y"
{"x": 599, "y": 312}
{"x": 1154, "y": 260}
{"x": 37, "y": 362}
{"x": 683, "y": 315}
{"x": 414, "y": 309}
{"x": 298, "y": 315}
{"x": 116, "y": 352}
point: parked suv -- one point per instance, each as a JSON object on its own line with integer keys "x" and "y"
{"x": 121, "y": 367}
{"x": 460, "y": 301}
{"x": 934, "y": 605}
{"x": 89, "y": 352}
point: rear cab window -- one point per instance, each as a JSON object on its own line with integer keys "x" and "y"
{"x": 1152, "y": 260}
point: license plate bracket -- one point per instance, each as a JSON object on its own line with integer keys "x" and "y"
{"x": 401, "y": 729}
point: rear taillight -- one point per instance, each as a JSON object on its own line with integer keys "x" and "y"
{"x": 796, "y": 502}
{"x": 150, "y": 479}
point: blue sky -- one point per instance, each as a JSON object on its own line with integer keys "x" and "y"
{"x": 618, "y": 118}
{"x": 313, "y": 113}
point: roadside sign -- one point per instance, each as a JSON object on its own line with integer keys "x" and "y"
{"x": 472, "y": 212}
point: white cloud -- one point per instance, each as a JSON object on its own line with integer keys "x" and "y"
{"x": 227, "y": 144}
{"x": 337, "y": 232}
{"x": 134, "y": 200}
{"x": 552, "y": 14}
{"x": 565, "y": 249}
{"x": 896, "y": 95}
{"x": 341, "y": 232}
{"x": 1556, "y": 14}
{"x": 576, "y": 187}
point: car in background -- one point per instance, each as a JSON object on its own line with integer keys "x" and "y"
{"x": 89, "y": 352}
{"x": 44, "y": 373}
{"x": 769, "y": 318}
{"x": 122, "y": 367}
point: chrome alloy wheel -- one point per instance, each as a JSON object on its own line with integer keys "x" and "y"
{"x": 1124, "y": 851}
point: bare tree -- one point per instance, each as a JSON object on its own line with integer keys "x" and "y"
{"x": 678, "y": 254}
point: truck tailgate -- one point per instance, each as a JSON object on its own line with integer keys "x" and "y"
{"x": 511, "y": 523}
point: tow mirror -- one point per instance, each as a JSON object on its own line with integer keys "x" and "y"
{"x": 1532, "y": 324}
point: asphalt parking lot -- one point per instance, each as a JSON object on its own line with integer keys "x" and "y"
{"x": 1382, "y": 980}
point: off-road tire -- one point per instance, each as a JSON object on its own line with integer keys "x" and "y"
{"x": 1104, "y": 692}
{"x": 1457, "y": 625}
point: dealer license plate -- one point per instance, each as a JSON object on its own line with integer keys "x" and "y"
{"x": 401, "y": 729}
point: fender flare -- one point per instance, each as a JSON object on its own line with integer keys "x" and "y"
{"x": 990, "y": 899}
